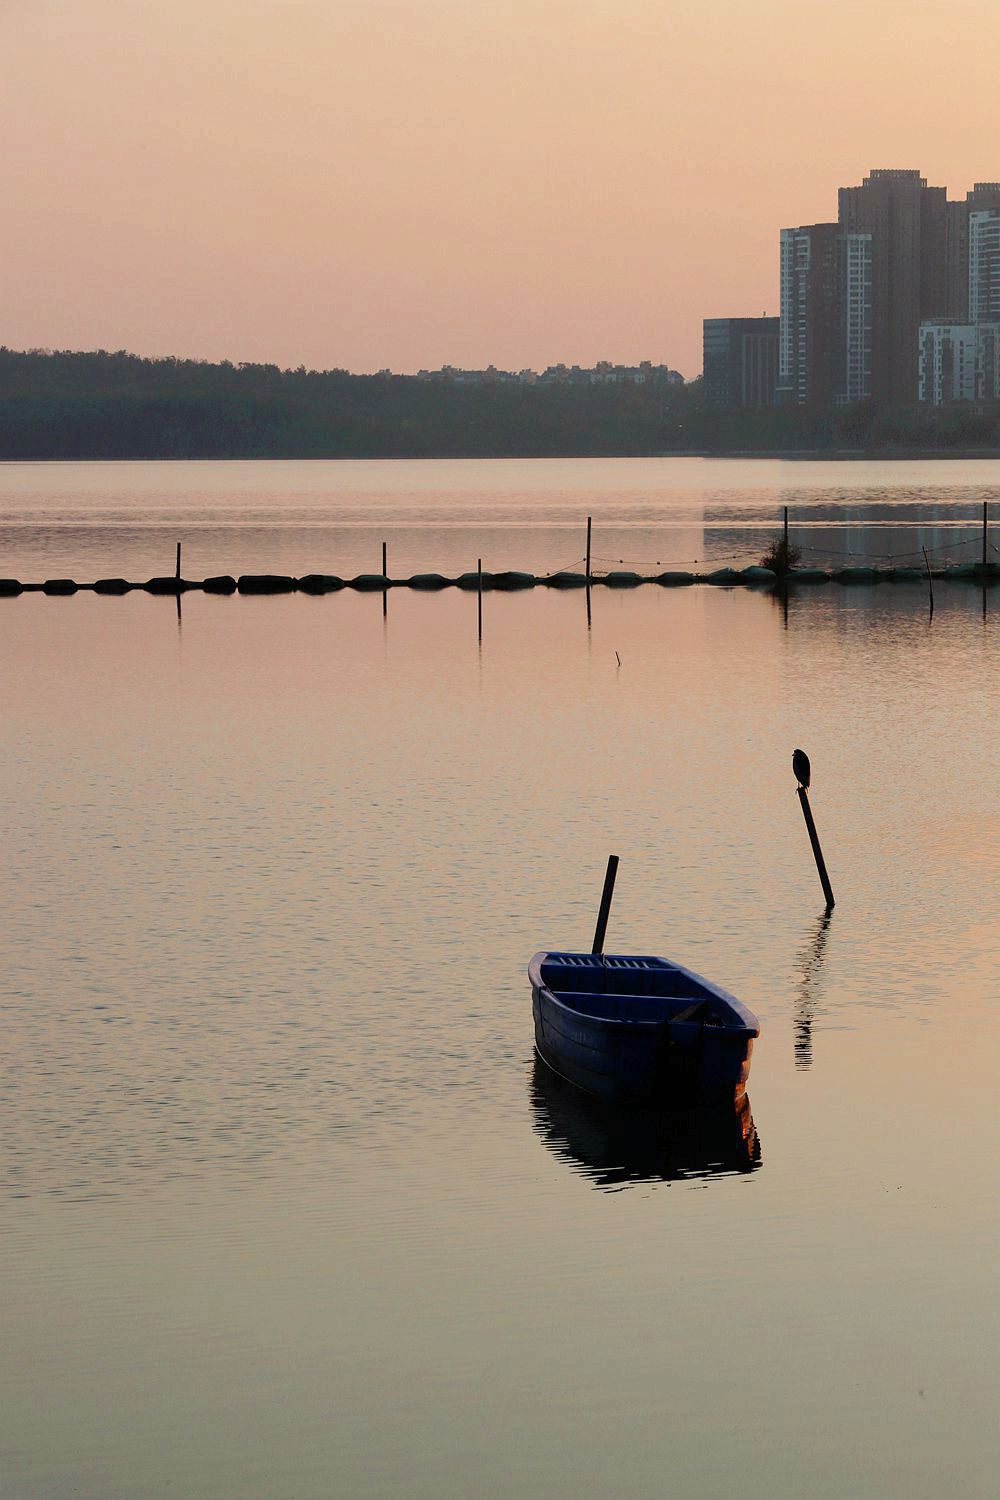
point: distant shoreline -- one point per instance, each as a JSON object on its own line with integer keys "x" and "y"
{"x": 845, "y": 455}
{"x": 76, "y": 407}
{"x": 788, "y": 455}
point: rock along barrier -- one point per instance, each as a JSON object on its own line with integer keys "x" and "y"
{"x": 509, "y": 582}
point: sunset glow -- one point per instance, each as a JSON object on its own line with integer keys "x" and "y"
{"x": 404, "y": 185}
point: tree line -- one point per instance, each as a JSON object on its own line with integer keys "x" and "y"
{"x": 65, "y": 405}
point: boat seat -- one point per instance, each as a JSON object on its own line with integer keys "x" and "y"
{"x": 653, "y": 1008}
{"x": 690, "y": 1012}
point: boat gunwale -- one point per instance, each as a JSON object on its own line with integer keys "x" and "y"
{"x": 745, "y": 1023}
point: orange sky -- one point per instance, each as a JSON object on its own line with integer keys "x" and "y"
{"x": 412, "y": 182}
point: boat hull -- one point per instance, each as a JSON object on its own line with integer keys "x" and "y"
{"x": 655, "y": 1060}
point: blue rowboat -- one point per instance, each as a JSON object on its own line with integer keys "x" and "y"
{"x": 628, "y": 1028}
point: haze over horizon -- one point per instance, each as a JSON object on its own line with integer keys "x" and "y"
{"x": 335, "y": 184}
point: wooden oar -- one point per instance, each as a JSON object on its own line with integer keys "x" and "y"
{"x": 605, "y": 911}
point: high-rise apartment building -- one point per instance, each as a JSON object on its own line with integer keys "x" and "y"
{"x": 907, "y": 221}
{"x": 826, "y": 327}
{"x": 988, "y": 361}
{"x": 984, "y": 266}
{"x": 960, "y": 359}
{"x": 740, "y": 361}
{"x": 985, "y": 195}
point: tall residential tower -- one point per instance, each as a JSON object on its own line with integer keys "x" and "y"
{"x": 907, "y": 221}
{"x": 826, "y": 324}
{"x": 985, "y": 195}
{"x": 984, "y": 266}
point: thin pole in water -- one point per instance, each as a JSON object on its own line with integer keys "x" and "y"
{"x": 385, "y": 574}
{"x": 930, "y": 581}
{"x": 479, "y": 596}
{"x": 801, "y": 767}
{"x": 605, "y": 911}
{"x": 590, "y": 522}
{"x": 785, "y": 542}
{"x": 177, "y": 574}
{"x": 986, "y": 524}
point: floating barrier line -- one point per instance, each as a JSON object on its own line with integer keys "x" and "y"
{"x": 509, "y": 581}
{"x": 829, "y": 552}
{"x": 686, "y": 562}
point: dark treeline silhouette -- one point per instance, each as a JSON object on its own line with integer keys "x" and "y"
{"x": 62, "y": 405}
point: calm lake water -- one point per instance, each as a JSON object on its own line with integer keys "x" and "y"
{"x": 287, "y": 1207}
{"x": 124, "y": 519}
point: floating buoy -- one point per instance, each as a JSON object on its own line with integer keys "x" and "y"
{"x": 429, "y": 581}
{"x": 321, "y": 583}
{"x": 368, "y": 583}
{"x": 265, "y": 583}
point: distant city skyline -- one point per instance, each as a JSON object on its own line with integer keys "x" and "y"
{"x": 896, "y": 301}
{"x": 518, "y": 184}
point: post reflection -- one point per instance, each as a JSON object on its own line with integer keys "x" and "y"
{"x": 614, "y": 1147}
{"x": 778, "y": 594}
{"x": 810, "y": 966}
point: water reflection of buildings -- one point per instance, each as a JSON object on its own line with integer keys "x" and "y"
{"x": 613, "y": 1148}
{"x": 849, "y": 532}
{"x": 810, "y": 965}
{"x": 873, "y": 534}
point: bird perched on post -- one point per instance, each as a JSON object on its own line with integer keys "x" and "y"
{"x": 800, "y": 765}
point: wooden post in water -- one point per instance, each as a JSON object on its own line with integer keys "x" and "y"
{"x": 385, "y": 564}
{"x": 605, "y": 911}
{"x": 930, "y": 581}
{"x": 800, "y": 765}
{"x": 785, "y": 536}
{"x": 589, "y": 527}
{"x": 986, "y": 524}
{"x": 479, "y": 596}
{"x": 177, "y": 574}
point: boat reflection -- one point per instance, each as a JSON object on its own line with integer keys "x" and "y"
{"x": 615, "y": 1147}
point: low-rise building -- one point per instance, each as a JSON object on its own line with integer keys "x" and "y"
{"x": 603, "y": 373}
{"x": 740, "y": 361}
{"x": 959, "y": 362}
{"x": 947, "y": 362}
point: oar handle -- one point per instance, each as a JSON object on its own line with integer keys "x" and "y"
{"x": 605, "y": 911}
